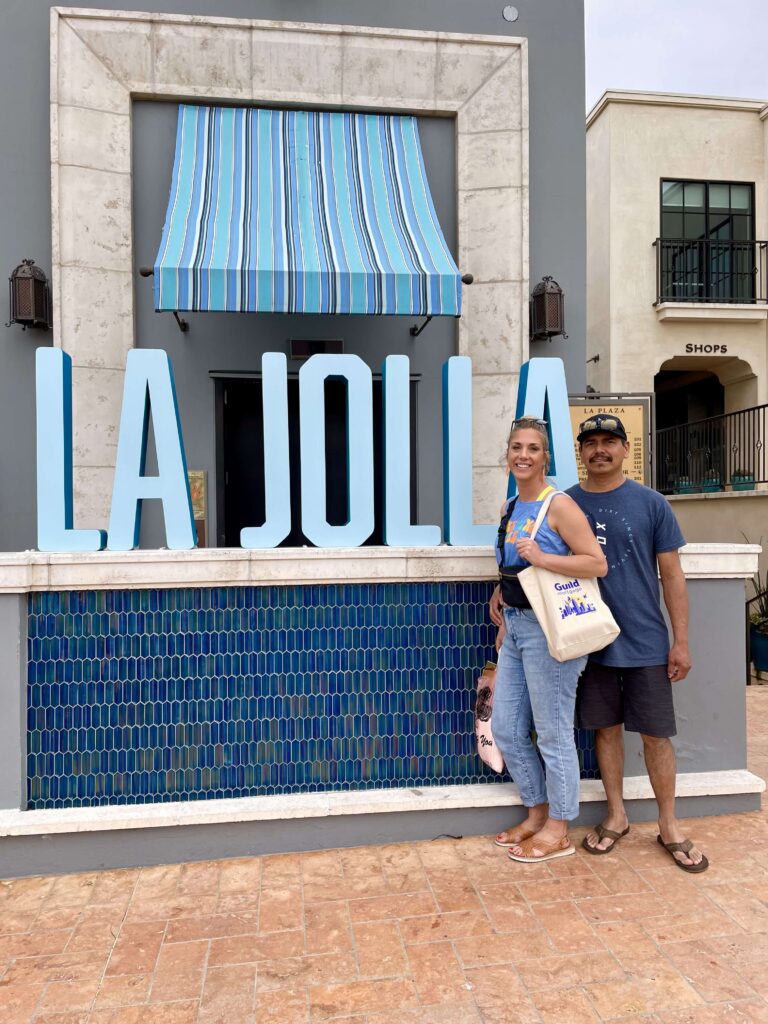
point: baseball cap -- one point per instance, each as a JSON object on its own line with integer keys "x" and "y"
{"x": 602, "y": 423}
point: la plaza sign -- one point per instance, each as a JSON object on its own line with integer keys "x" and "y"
{"x": 149, "y": 392}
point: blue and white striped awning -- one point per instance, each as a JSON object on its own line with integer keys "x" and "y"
{"x": 277, "y": 211}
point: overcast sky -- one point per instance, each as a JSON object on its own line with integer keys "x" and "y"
{"x": 713, "y": 47}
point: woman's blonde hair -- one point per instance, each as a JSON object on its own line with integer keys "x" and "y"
{"x": 532, "y": 423}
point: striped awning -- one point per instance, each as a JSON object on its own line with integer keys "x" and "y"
{"x": 277, "y": 211}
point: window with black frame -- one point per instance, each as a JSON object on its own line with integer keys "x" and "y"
{"x": 707, "y": 248}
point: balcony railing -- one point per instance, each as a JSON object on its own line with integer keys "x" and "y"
{"x": 711, "y": 270}
{"x": 714, "y": 454}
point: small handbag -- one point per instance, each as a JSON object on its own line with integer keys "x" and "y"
{"x": 486, "y": 747}
{"x": 573, "y": 616}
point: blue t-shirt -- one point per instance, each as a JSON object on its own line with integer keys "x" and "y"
{"x": 520, "y": 525}
{"x": 632, "y": 524}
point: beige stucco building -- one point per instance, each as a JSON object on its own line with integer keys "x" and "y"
{"x": 677, "y": 291}
{"x": 636, "y": 142}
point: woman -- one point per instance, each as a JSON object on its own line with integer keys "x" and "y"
{"x": 533, "y": 690}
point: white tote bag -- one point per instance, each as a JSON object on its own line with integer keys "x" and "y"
{"x": 486, "y": 745}
{"x": 572, "y": 614}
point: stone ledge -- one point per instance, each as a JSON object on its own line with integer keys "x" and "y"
{"x": 711, "y": 312}
{"x": 719, "y": 495}
{"x": 29, "y": 571}
{"x": 337, "y": 804}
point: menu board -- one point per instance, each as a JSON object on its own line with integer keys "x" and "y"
{"x": 635, "y": 413}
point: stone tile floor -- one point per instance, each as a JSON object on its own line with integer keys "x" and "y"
{"x": 443, "y": 932}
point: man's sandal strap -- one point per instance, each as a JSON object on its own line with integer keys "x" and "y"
{"x": 607, "y": 833}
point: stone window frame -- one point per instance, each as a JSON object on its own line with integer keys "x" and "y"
{"x": 101, "y": 61}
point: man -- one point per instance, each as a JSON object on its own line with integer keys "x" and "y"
{"x": 629, "y": 683}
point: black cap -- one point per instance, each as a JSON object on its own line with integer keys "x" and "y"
{"x": 602, "y": 423}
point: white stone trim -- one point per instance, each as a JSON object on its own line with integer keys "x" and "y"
{"x": 760, "y": 491}
{"x": 28, "y": 571}
{"x": 710, "y": 312}
{"x": 670, "y": 99}
{"x": 101, "y": 59}
{"x": 339, "y": 804}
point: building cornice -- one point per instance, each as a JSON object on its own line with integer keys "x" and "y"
{"x": 670, "y": 99}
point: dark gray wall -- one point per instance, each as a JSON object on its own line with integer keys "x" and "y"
{"x": 709, "y": 703}
{"x": 555, "y": 29}
{"x": 13, "y": 701}
{"x": 234, "y": 342}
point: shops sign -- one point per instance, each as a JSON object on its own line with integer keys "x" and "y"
{"x": 149, "y": 394}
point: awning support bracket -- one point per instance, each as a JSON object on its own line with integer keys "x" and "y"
{"x": 415, "y": 331}
{"x": 183, "y": 324}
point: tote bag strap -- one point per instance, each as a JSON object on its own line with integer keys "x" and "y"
{"x": 543, "y": 511}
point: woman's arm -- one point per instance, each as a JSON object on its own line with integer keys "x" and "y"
{"x": 567, "y": 519}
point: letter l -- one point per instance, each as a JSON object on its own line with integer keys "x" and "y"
{"x": 53, "y": 380}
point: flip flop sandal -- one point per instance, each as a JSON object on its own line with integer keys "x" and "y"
{"x": 549, "y": 851}
{"x": 604, "y": 833}
{"x": 685, "y": 847}
{"x": 525, "y": 835}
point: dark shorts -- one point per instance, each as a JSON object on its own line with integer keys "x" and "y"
{"x": 640, "y": 699}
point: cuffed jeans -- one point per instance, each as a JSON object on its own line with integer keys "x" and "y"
{"x": 534, "y": 691}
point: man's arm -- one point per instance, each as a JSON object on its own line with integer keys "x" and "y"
{"x": 676, "y": 599}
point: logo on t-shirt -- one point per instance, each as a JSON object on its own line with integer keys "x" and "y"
{"x": 614, "y": 533}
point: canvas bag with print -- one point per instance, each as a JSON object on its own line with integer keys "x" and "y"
{"x": 573, "y": 616}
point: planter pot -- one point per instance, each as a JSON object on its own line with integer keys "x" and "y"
{"x": 743, "y": 483}
{"x": 711, "y": 487}
{"x": 686, "y": 489}
{"x": 758, "y": 646}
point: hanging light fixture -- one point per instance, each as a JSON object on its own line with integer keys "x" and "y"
{"x": 30, "y": 296}
{"x": 547, "y": 310}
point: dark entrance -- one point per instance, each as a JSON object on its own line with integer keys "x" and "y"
{"x": 691, "y": 441}
{"x": 240, "y": 458}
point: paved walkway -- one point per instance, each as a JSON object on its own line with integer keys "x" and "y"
{"x": 447, "y": 932}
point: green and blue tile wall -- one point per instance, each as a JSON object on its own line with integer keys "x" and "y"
{"x": 140, "y": 696}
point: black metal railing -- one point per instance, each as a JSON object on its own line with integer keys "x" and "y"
{"x": 711, "y": 270}
{"x": 714, "y": 454}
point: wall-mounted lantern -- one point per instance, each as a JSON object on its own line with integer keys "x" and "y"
{"x": 30, "y": 296}
{"x": 547, "y": 310}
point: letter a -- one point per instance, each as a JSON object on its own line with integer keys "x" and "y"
{"x": 149, "y": 387}
{"x": 543, "y": 393}
{"x": 53, "y": 373}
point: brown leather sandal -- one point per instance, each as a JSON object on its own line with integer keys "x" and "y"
{"x": 685, "y": 847}
{"x": 603, "y": 833}
{"x": 525, "y": 834}
{"x": 549, "y": 851}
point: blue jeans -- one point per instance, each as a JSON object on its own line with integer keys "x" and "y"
{"x": 534, "y": 691}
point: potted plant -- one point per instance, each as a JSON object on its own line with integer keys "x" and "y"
{"x": 684, "y": 486}
{"x": 742, "y": 480}
{"x": 758, "y": 625}
{"x": 711, "y": 481}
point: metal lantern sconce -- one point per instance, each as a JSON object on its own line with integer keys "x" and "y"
{"x": 30, "y": 296}
{"x": 547, "y": 310}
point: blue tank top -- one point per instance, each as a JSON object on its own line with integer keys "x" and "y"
{"x": 520, "y": 525}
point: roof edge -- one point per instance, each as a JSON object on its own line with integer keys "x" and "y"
{"x": 672, "y": 99}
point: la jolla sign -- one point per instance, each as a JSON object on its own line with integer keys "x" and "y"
{"x": 149, "y": 391}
